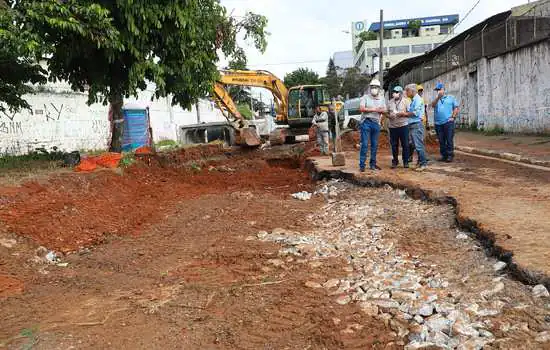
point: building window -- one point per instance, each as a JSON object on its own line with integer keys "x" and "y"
{"x": 422, "y": 48}
{"x": 400, "y": 50}
{"x": 376, "y": 51}
{"x": 444, "y": 30}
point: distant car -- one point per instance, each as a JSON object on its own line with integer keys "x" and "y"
{"x": 352, "y": 115}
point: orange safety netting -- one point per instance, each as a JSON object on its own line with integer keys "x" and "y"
{"x": 144, "y": 150}
{"x": 105, "y": 160}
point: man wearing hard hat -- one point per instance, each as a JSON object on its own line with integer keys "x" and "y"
{"x": 372, "y": 106}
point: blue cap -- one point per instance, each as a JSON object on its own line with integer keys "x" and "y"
{"x": 439, "y": 86}
{"x": 397, "y": 89}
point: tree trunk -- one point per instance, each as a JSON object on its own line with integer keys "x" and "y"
{"x": 117, "y": 123}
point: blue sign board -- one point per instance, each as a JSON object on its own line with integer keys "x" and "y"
{"x": 426, "y": 21}
{"x": 359, "y": 26}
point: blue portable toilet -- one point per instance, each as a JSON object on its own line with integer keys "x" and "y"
{"x": 137, "y": 127}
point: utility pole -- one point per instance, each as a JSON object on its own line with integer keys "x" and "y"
{"x": 381, "y": 59}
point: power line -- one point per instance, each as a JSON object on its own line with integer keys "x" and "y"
{"x": 462, "y": 20}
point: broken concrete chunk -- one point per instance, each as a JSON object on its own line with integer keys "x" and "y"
{"x": 499, "y": 266}
{"x": 540, "y": 291}
{"x": 385, "y": 303}
{"x": 543, "y": 337}
{"x": 426, "y": 310}
{"x": 313, "y": 285}
{"x": 369, "y": 308}
{"x": 464, "y": 329}
{"x": 343, "y": 299}
{"x": 303, "y": 196}
{"x": 333, "y": 283}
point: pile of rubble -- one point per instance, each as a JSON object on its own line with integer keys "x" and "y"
{"x": 413, "y": 297}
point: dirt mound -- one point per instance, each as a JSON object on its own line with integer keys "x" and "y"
{"x": 71, "y": 211}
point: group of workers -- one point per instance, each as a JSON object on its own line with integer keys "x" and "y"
{"x": 406, "y": 112}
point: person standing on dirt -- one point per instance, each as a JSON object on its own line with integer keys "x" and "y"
{"x": 332, "y": 124}
{"x": 320, "y": 122}
{"x": 416, "y": 129}
{"x": 445, "y": 112}
{"x": 398, "y": 124}
{"x": 372, "y": 106}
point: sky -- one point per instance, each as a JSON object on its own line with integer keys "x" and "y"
{"x": 305, "y": 33}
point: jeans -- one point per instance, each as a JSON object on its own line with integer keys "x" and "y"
{"x": 445, "y": 134}
{"x": 322, "y": 141}
{"x": 400, "y": 135}
{"x": 417, "y": 133}
{"x": 370, "y": 130}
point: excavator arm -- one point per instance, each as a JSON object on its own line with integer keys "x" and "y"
{"x": 257, "y": 78}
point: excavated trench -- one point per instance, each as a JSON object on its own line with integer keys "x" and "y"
{"x": 484, "y": 236}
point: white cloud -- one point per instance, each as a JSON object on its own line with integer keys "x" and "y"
{"x": 310, "y": 31}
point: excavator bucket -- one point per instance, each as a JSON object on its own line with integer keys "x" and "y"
{"x": 248, "y": 137}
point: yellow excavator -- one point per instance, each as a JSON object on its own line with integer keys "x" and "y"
{"x": 295, "y": 107}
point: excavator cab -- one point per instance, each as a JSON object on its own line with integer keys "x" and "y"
{"x": 302, "y": 102}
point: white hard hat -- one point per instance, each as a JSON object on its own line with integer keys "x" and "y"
{"x": 375, "y": 82}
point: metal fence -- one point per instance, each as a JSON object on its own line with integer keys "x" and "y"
{"x": 491, "y": 41}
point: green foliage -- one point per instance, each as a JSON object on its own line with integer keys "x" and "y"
{"x": 332, "y": 80}
{"x": 40, "y": 158}
{"x": 245, "y": 111}
{"x": 127, "y": 160}
{"x": 354, "y": 83}
{"x": 29, "y": 30}
{"x": 301, "y": 76}
{"x": 32, "y": 337}
{"x": 415, "y": 24}
{"x": 166, "y": 143}
{"x": 365, "y": 36}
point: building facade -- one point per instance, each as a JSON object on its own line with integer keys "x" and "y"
{"x": 498, "y": 71}
{"x": 343, "y": 60}
{"x": 403, "y": 39}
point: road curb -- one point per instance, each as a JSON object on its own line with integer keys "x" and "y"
{"x": 483, "y": 235}
{"x": 504, "y": 155}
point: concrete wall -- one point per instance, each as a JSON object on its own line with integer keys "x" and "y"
{"x": 61, "y": 118}
{"x": 511, "y": 91}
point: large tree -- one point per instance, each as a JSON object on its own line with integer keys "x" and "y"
{"x": 354, "y": 83}
{"x": 24, "y": 26}
{"x": 332, "y": 80}
{"x": 171, "y": 43}
{"x": 301, "y": 76}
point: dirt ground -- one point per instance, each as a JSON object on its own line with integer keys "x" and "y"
{"x": 165, "y": 254}
{"x": 157, "y": 258}
{"x": 536, "y": 147}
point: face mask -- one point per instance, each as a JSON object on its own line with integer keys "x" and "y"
{"x": 396, "y": 95}
{"x": 374, "y": 91}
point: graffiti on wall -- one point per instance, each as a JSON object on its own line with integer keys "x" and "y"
{"x": 100, "y": 126}
{"x": 11, "y": 128}
{"x": 8, "y": 115}
{"x": 53, "y": 112}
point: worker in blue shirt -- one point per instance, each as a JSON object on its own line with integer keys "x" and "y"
{"x": 416, "y": 128}
{"x": 445, "y": 112}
